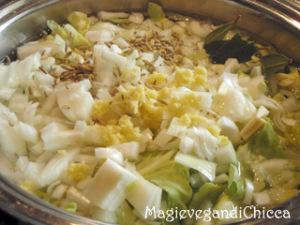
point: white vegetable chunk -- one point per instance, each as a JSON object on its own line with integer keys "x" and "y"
{"x": 230, "y": 100}
{"x": 107, "y": 190}
{"x": 11, "y": 141}
{"x": 28, "y": 133}
{"x": 187, "y": 144}
{"x": 56, "y": 136}
{"x": 137, "y": 18}
{"x": 142, "y": 195}
{"x": 103, "y": 15}
{"x": 74, "y": 100}
{"x": 45, "y": 47}
{"x": 229, "y": 129}
{"x": 224, "y": 156}
{"x": 129, "y": 150}
{"x": 100, "y": 36}
{"x": 262, "y": 198}
{"x": 109, "y": 153}
{"x": 55, "y": 167}
{"x": 162, "y": 138}
{"x": 59, "y": 191}
{"x": 207, "y": 144}
{"x": 19, "y": 73}
{"x": 78, "y": 197}
{"x": 105, "y": 62}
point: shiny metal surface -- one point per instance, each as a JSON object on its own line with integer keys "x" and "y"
{"x": 276, "y": 22}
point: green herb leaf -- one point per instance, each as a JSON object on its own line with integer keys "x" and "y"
{"x": 155, "y": 11}
{"x": 220, "y": 51}
{"x": 219, "y": 33}
{"x": 274, "y": 63}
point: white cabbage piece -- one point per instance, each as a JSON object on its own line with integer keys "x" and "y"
{"x": 255, "y": 86}
{"x": 113, "y": 181}
{"x": 104, "y": 15}
{"x": 262, "y": 198}
{"x": 6, "y": 166}
{"x": 176, "y": 128}
{"x": 100, "y": 36}
{"x": 130, "y": 72}
{"x": 11, "y": 141}
{"x": 129, "y": 150}
{"x": 187, "y": 144}
{"x": 59, "y": 191}
{"x": 28, "y": 132}
{"x": 201, "y": 30}
{"x": 231, "y": 65}
{"x": 143, "y": 195}
{"x": 229, "y": 129}
{"x": 206, "y": 143}
{"x": 26, "y": 110}
{"x": 224, "y": 156}
{"x": 45, "y": 47}
{"x": 6, "y": 93}
{"x": 137, "y": 18}
{"x": 74, "y": 99}
{"x": 162, "y": 138}
{"x": 7, "y": 115}
{"x": 106, "y": 61}
{"x": 75, "y": 195}
{"x": 56, "y": 167}
{"x": 205, "y": 98}
{"x": 32, "y": 172}
{"x": 106, "y": 26}
{"x": 109, "y": 153}
{"x": 57, "y": 136}
{"x": 19, "y": 73}
{"x": 230, "y": 100}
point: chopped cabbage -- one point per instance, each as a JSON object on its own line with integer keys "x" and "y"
{"x": 206, "y": 168}
{"x": 173, "y": 178}
{"x": 74, "y": 100}
{"x": 113, "y": 181}
{"x": 142, "y": 195}
{"x": 231, "y": 101}
{"x": 266, "y": 142}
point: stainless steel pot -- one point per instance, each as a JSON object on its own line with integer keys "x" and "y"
{"x": 277, "y": 22}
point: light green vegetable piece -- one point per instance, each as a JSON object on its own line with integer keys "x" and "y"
{"x": 155, "y": 11}
{"x": 207, "y": 192}
{"x": 266, "y": 142}
{"x": 76, "y": 39}
{"x": 126, "y": 216}
{"x": 153, "y": 162}
{"x": 57, "y": 29}
{"x": 206, "y": 168}
{"x": 236, "y": 185}
{"x": 71, "y": 207}
{"x": 173, "y": 178}
{"x": 69, "y": 34}
{"x": 79, "y": 21}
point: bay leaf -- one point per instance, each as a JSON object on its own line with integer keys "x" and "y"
{"x": 220, "y": 51}
{"x": 218, "y": 34}
{"x": 274, "y": 63}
